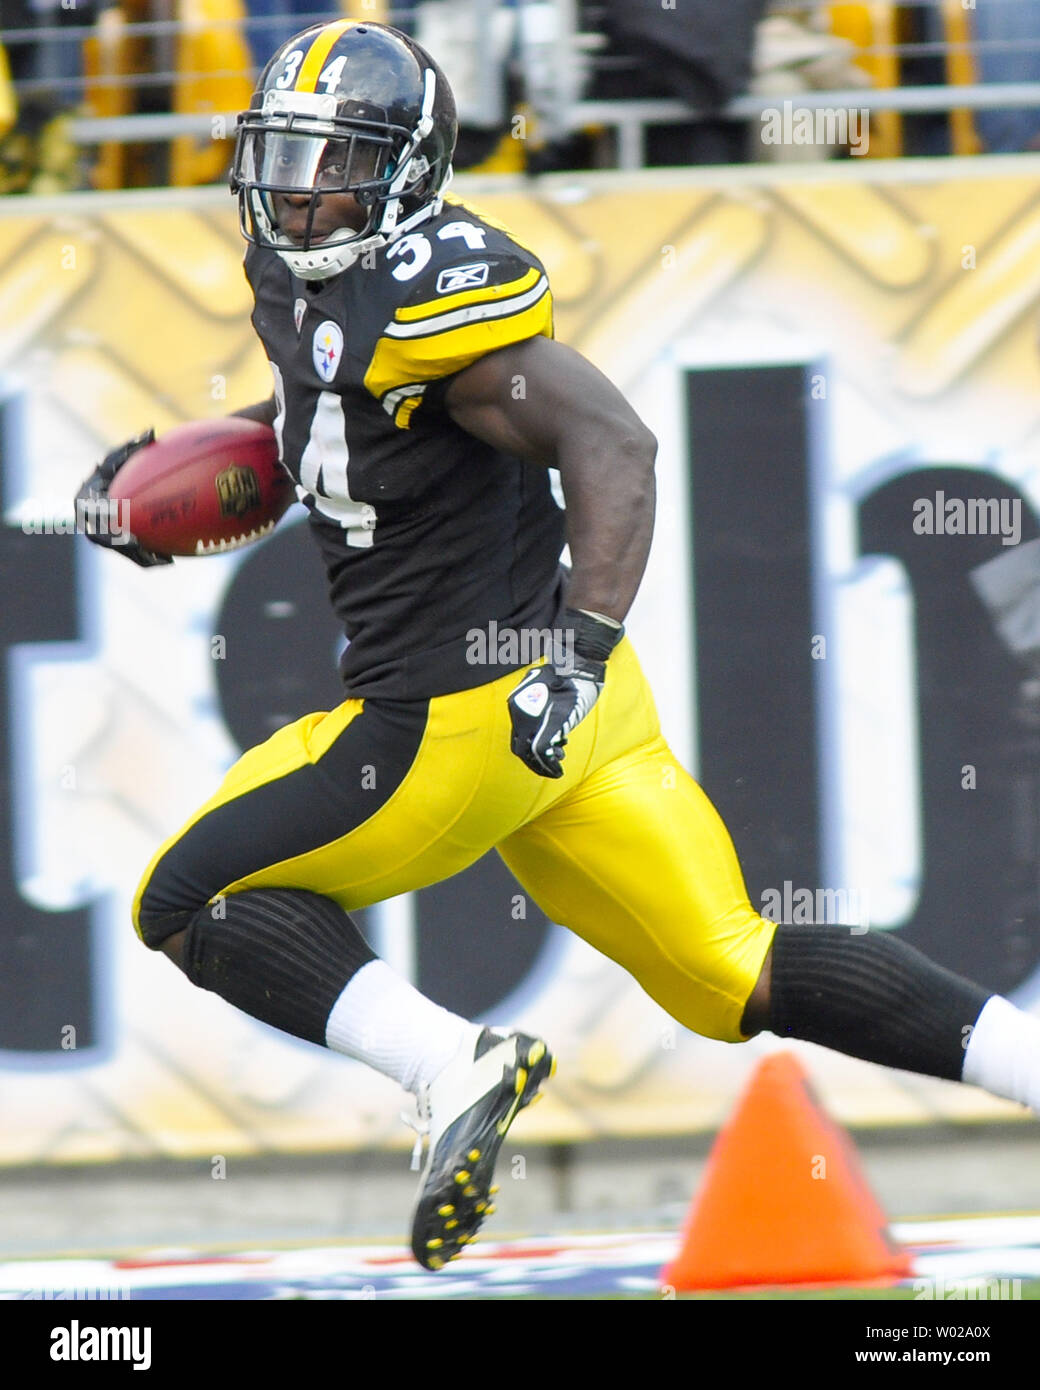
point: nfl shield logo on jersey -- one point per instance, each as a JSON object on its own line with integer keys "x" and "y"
{"x": 327, "y": 349}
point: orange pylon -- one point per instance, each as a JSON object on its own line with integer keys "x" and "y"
{"x": 783, "y": 1199}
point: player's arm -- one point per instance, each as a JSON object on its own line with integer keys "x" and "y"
{"x": 263, "y": 412}
{"x": 546, "y": 404}
{"x": 543, "y": 402}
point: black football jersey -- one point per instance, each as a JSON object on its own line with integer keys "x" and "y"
{"x": 430, "y": 538}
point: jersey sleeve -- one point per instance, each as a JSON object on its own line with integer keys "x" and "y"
{"x": 454, "y": 314}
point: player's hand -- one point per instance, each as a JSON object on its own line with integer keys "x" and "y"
{"x": 98, "y": 514}
{"x": 553, "y": 699}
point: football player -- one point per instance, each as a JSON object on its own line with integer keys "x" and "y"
{"x": 420, "y": 403}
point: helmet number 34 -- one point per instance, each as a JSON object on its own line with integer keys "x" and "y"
{"x": 292, "y": 67}
{"x": 331, "y": 75}
{"x": 329, "y": 78}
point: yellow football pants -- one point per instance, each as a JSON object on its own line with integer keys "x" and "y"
{"x": 377, "y": 798}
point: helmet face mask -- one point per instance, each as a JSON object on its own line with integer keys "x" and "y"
{"x": 382, "y": 134}
{"x": 296, "y": 162}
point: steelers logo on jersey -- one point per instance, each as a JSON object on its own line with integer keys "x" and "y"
{"x": 327, "y": 349}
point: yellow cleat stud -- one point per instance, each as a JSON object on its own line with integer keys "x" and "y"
{"x": 536, "y": 1054}
{"x": 491, "y": 1207}
{"x": 436, "y": 1263}
{"x": 552, "y": 1067}
{"x": 481, "y": 1206}
{"x": 446, "y": 1211}
{"x": 462, "y": 1177}
{"x": 450, "y": 1225}
{"x": 434, "y": 1244}
{"x": 493, "y": 1190}
{"x": 470, "y": 1191}
{"x": 473, "y": 1155}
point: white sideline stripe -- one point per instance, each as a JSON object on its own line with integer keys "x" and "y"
{"x": 973, "y": 1243}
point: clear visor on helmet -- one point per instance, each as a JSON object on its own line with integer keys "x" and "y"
{"x": 287, "y": 161}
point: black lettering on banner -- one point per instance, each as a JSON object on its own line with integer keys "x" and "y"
{"x": 758, "y": 696}
{"x": 47, "y": 957}
{"x": 978, "y": 910}
{"x": 756, "y": 687}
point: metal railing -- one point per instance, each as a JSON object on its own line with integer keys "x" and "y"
{"x": 550, "y": 62}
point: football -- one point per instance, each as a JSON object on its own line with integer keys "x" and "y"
{"x": 204, "y": 488}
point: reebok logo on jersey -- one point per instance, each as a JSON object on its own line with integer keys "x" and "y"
{"x": 327, "y": 349}
{"x": 463, "y": 277}
{"x": 298, "y": 311}
{"x": 532, "y": 700}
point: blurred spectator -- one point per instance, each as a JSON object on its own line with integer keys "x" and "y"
{"x": 697, "y": 51}
{"x": 51, "y": 64}
{"x": 1015, "y": 25}
{"x": 35, "y": 154}
{"x": 274, "y": 22}
{"x": 1005, "y": 48}
{"x": 797, "y": 53}
{"x": 8, "y": 104}
{"x": 472, "y": 41}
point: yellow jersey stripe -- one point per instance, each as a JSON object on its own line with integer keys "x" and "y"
{"x": 470, "y": 313}
{"x": 310, "y": 68}
{"x": 405, "y": 411}
{"x": 399, "y": 360}
{"x": 484, "y": 293}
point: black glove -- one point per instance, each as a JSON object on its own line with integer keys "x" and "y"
{"x": 96, "y": 513}
{"x": 553, "y": 699}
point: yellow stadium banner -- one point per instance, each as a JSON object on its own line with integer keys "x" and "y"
{"x": 876, "y": 325}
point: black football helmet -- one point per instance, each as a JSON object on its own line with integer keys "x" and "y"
{"x": 344, "y": 107}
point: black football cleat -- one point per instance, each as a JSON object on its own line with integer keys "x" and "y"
{"x": 464, "y": 1115}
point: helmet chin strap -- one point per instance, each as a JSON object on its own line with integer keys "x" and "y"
{"x": 322, "y": 263}
{"x": 412, "y": 167}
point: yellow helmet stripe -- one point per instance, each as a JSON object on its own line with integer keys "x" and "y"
{"x": 311, "y": 67}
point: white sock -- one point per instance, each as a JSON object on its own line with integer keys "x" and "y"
{"x": 383, "y": 1020}
{"x": 1003, "y": 1053}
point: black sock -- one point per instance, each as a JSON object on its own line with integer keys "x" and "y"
{"x": 283, "y": 955}
{"x": 872, "y": 996}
